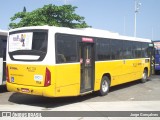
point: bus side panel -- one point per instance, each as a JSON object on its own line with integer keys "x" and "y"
{"x": 137, "y": 69}
{"x": 67, "y": 79}
{"x": 138, "y": 66}
{"x": 114, "y": 68}
{"x": 120, "y": 71}
{"x": 128, "y": 71}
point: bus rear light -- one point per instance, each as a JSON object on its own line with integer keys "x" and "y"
{"x": 7, "y": 74}
{"x": 47, "y": 81}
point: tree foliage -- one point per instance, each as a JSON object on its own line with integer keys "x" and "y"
{"x": 52, "y": 15}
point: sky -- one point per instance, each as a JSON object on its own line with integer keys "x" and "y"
{"x": 112, "y": 15}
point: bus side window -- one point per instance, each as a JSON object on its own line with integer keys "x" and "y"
{"x": 61, "y": 58}
{"x": 116, "y": 49}
{"x": 138, "y": 50}
{"x": 127, "y": 50}
{"x": 66, "y": 49}
{"x": 144, "y": 50}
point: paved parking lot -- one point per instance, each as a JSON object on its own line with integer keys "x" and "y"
{"x": 127, "y": 97}
{"x": 134, "y": 91}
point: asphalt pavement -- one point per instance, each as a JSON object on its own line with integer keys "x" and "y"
{"x": 134, "y": 96}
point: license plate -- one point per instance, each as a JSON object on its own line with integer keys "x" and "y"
{"x": 25, "y": 90}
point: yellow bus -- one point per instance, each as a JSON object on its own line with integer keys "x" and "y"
{"x": 56, "y": 62}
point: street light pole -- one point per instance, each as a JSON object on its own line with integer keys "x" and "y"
{"x": 135, "y": 19}
{"x": 137, "y": 6}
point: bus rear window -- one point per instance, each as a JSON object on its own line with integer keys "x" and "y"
{"x": 28, "y": 43}
{"x": 39, "y": 41}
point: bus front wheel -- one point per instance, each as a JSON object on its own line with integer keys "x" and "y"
{"x": 144, "y": 76}
{"x": 104, "y": 86}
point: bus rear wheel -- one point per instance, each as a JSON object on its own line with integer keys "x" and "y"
{"x": 104, "y": 86}
{"x": 144, "y": 76}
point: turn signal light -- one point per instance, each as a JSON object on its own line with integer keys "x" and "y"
{"x": 47, "y": 81}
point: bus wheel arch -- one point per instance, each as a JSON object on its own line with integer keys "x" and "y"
{"x": 144, "y": 75}
{"x": 105, "y": 84}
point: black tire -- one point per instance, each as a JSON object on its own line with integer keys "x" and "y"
{"x": 144, "y": 76}
{"x": 105, "y": 85}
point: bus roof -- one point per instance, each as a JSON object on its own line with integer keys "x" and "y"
{"x": 85, "y": 32}
{"x": 3, "y": 32}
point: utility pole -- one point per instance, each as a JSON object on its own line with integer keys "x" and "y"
{"x": 137, "y": 7}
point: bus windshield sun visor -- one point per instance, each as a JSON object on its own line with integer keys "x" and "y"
{"x": 27, "y": 55}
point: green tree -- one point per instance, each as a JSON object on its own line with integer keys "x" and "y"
{"x": 62, "y": 16}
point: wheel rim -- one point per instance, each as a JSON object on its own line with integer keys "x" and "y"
{"x": 104, "y": 86}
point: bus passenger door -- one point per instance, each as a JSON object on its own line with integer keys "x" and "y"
{"x": 87, "y": 65}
